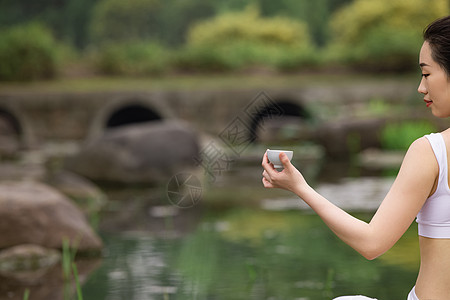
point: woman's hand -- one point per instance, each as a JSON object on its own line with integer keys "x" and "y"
{"x": 289, "y": 178}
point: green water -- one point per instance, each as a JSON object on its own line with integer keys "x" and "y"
{"x": 245, "y": 253}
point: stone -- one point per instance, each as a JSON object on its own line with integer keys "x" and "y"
{"x": 348, "y": 137}
{"x": 34, "y": 213}
{"x": 87, "y": 195}
{"x": 138, "y": 153}
{"x": 44, "y": 283}
{"x": 27, "y": 257}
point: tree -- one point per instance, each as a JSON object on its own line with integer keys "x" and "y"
{"x": 383, "y": 34}
{"x": 117, "y": 20}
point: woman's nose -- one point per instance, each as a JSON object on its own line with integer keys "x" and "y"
{"x": 422, "y": 89}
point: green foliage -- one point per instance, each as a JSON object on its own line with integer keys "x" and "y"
{"x": 203, "y": 58}
{"x": 382, "y": 35}
{"x": 178, "y": 15}
{"x": 119, "y": 21}
{"x": 73, "y": 23}
{"x": 313, "y": 13}
{"x": 241, "y": 54}
{"x": 164, "y": 21}
{"x": 399, "y": 136}
{"x": 378, "y": 107}
{"x": 134, "y": 58}
{"x": 248, "y": 25}
{"x": 230, "y": 35}
{"x": 28, "y": 52}
{"x": 68, "y": 19}
{"x": 242, "y": 39}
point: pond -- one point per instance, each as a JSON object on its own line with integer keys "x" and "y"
{"x": 268, "y": 247}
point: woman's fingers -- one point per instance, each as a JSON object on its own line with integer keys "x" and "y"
{"x": 267, "y": 165}
{"x": 266, "y": 176}
{"x": 266, "y": 183}
{"x": 285, "y": 160}
{"x": 265, "y": 161}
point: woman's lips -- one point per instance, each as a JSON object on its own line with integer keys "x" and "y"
{"x": 428, "y": 102}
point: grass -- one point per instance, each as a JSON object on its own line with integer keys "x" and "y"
{"x": 240, "y": 80}
{"x": 69, "y": 267}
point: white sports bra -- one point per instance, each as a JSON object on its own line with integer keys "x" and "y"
{"x": 434, "y": 217}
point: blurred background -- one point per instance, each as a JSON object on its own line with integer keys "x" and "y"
{"x": 132, "y": 132}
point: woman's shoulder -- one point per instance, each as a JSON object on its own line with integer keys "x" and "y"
{"x": 422, "y": 144}
{"x": 421, "y": 151}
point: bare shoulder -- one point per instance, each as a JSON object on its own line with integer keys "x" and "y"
{"x": 420, "y": 155}
{"x": 421, "y": 146}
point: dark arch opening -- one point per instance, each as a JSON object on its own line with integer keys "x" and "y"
{"x": 277, "y": 109}
{"x": 9, "y": 123}
{"x": 132, "y": 114}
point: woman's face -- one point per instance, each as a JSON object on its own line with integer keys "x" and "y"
{"x": 435, "y": 84}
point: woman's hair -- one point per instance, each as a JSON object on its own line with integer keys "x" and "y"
{"x": 437, "y": 34}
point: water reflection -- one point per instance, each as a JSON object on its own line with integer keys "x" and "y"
{"x": 249, "y": 254}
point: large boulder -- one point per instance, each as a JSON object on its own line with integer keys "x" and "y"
{"x": 34, "y": 213}
{"x": 139, "y": 153}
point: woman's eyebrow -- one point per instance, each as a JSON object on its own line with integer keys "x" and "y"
{"x": 424, "y": 65}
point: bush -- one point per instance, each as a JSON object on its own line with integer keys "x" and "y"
{"x": 241, "y": 39}
{"x": 28, "y": 52}
{"x": 382, "y": 35}
{"x": 202, "y": 58}
{"x": 240, "y": 54}
{"x": 399, "y": 136}
{"x": 134, "y": 58}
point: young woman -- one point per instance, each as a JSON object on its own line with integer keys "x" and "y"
{"x": 420, "y": 190}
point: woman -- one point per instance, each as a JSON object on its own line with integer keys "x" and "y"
{"x": 421, "y": 188}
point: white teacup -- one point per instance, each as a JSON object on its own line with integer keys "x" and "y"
{"x": 274, "y": 157}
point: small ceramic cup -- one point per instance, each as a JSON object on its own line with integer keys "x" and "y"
{"x": 274, "y": 157}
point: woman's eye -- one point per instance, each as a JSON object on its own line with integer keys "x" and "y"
{"x": 425, "y": 75}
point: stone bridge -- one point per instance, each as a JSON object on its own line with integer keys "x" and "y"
{"x": 38, "y": 116}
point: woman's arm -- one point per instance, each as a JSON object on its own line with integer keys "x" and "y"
{"x": 407, "y": 195}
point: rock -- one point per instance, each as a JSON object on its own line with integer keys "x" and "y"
{"x": 283, "y": 129}
{"x": 27, "y": 257}
{"x": 347, "y": 137}
{"x": 47, "y": 283}
{"x": 89, "y": 197}
{"x": 16, "y": 171}
{"x": 138, "y": 153}
{"x": 34, "y": 213}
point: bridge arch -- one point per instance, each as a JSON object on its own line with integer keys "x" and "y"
{"x": 10, "y": 122}
{"x": 131, "y": 114}
{"x": 279, "y": 110}
{"x": 127, "y": 110}
{"x": 14, "y": 126}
